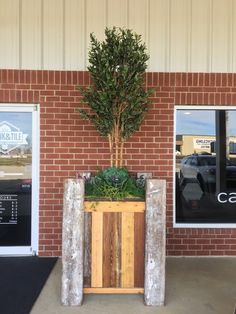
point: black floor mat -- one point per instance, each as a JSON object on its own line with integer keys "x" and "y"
{"x": 21, "y": 281}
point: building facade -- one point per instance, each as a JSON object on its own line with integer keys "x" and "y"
{"x": 43, "y": 51}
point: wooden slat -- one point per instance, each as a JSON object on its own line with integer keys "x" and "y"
{"x": 127, "y": 250}
{"x": 111, "y": 249}
{"x": 87, "y": 249}
{"x": 117, "y": 247}
{"x": 108, "y": 206}
{"x": 97, "y": 248}
{"x": 52, "y": 44}
{"x": 139, "y": 223}
{"x": 114, "y": 290}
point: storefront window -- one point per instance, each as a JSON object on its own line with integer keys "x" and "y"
{"x": 205, "y": 159}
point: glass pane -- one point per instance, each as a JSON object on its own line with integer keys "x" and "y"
{"x": 15, "y": 178}
{"x": 231, "y": 150}
{"x": 205, "y": 166}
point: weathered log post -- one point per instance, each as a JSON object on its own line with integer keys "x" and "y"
{"x": 73, "y": 242}
{"x": 155, "y": 243}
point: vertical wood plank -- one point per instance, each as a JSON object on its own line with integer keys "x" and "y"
{"x": 221, "y": 19}
{"x": 75, "y": 52}
{"x": 139, "y": 222}
{"x": 87, "y": 249}
{"x": 159, "y": 35}
{"x": 97, "y": 250}
{"x": 117, "y": 13}
{"x": 233, "y": 36}
{"x": 111, "y": 250}
{"x": 31, "y": 43}
{"x": 179, "y": 32}
{"x": 155, "y": 242}
{"x": 9, "y": 34}
{"x": 53, "y": 35}
{"x": 95, "y": 21}
{"x": 138, "y": 18}
{"x": 200, "y": 35}
{"x": 72, "y": 242}
{"x": 127, "y": 250}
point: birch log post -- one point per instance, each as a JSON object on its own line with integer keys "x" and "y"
{"x": 155, "y": 243}
{"x": 72, "y": 242}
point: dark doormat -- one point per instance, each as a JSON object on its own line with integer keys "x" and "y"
{"x": 21, "y": 280}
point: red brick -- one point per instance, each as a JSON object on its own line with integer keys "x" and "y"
{"x": 38, "y": 86}
{"x": 69, "y": 143}
{"x": 7, "y": 86}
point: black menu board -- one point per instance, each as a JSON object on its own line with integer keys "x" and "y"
{"x": 8, "y": 209}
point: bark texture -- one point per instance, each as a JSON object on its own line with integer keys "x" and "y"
{"x": 155, "y": 243}
{"x": 73, "y": 242}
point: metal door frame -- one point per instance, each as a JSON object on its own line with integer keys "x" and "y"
{"x": 33, "y": 248}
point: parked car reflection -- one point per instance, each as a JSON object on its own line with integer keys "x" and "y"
{"x": 202, "y": 168}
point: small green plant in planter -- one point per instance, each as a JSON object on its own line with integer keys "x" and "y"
{"x": 116, "y": 100}
{"x": 115, "y": 184}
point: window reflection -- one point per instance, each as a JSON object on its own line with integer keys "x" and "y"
{"x": 15, "y": 178}
{"x": 205, "y": 166}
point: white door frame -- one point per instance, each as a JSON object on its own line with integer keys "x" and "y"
{"x": 33, "y": 248}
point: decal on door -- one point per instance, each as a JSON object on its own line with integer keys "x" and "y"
{"x": 10, "y": 137}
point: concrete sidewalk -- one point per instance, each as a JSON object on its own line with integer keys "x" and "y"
{"x": 193, "y": 286}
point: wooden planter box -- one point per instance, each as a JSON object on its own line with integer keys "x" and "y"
{"x": 114, "y": 247}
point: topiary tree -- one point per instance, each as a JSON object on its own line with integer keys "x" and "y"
{"x": 117, "y": 100}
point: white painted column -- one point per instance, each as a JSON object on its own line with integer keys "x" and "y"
{"x": 155, "y": 243}
{"x": 73, "y": 242}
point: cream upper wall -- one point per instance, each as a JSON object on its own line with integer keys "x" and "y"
{"x": 181, "y": 35}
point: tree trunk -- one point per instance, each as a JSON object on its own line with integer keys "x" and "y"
{"x": 111, "y": 144}
{"x": 116, "y": 145}
{"x": 121, "y": 152}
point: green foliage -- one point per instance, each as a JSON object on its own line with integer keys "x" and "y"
{"x": 117, "y": 99}
{"x": 115, "y": 184}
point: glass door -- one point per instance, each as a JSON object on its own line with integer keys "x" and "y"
{"x": 19, "y": 179}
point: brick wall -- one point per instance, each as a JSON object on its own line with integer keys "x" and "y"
{"x": 69, "y": 144}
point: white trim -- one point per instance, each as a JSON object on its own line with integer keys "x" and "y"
{"x": 33, "y": 248}
{"x": 204, "y": 226}
{"x": 5, "y": 107}
{"x": 195, "y": 225}
{"x": 210, "y": 107}
{"x": 35, "y": 180}
{"x": 174, "y": 170}
{"x": 16, "y": 251}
